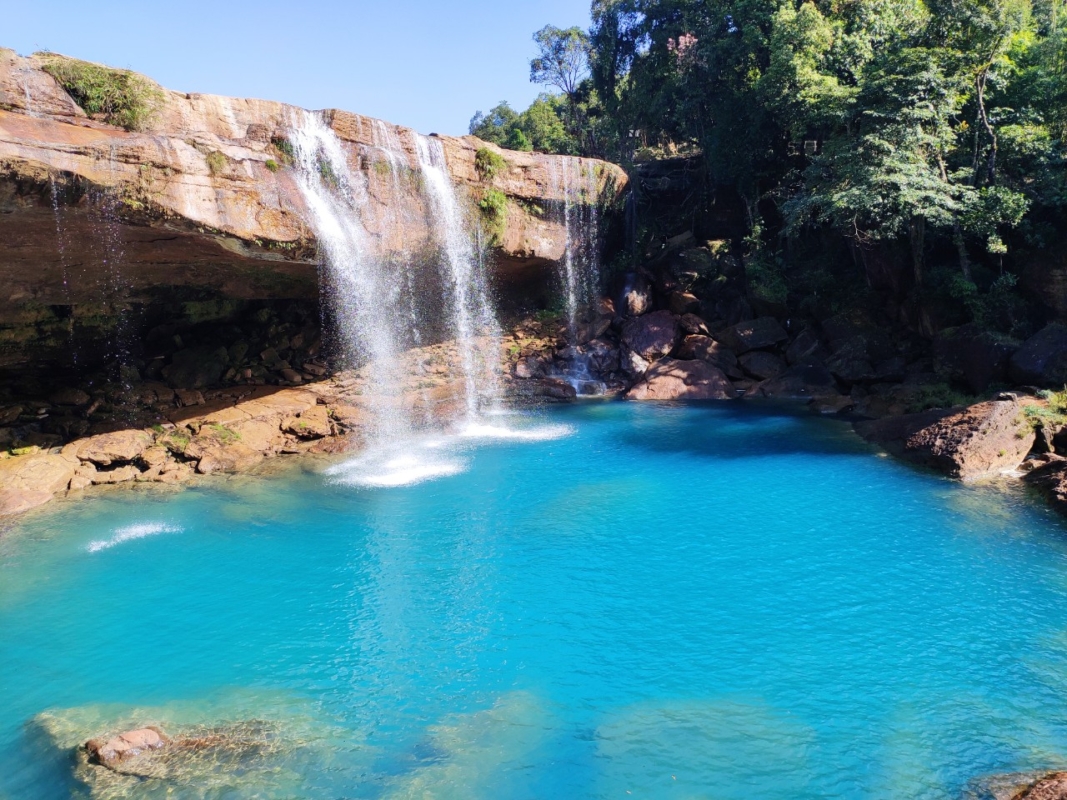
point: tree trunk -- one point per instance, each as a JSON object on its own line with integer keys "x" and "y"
{"x": 961, "y": 248}
{"x": 917, "y": 239}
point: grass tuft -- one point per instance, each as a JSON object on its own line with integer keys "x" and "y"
{"x": 117, "y": 96}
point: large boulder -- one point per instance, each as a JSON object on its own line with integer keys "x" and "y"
{"x": 1051, "y": 481}
{"x": 31, "y": 480}
{"x": 802, "y": 382}
{"x": 980, "y": 441}
{"x": 1042, "y": 359}
{"x": 651, "y": 336}
{"x": 120, "y": 447}
{"x": 756, "y": 334}
{"x": 636, "y": 296}
{"x": 975, "y": 357}
{"x": 671, "y": 379}
{"x": 707, "y": 349}
{"x": 762, "y": 365}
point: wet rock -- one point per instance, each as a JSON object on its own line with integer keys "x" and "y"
{"x": 110, "y": 752}
{"x": 707, "y": 349}
{"x": 636, "y": 296}
{"x": 672, "y": 379}
{"x": 120, "y": 446}
{"x": 1051, "y": 481}
{"x": 219, "y": 457}
{"x": 529, "y": 367}
{"x": 602, "y": 357}
{"x": 761, "y": 365}
{"x": 757, "y": 334}
{"x": 831, "y": 404}
{"x": 631, "y": 363}
{"x": 70, "y": 397}
{"x": 10, "y": 414}
{"x": 972, "y": 443}
{"x": 556, "y": 389}
{"x": 588, "y": 331}
{"x": 972, "y": 356}
{"x": 1019, "y": 786}
{"x": 651, "y": 336}
{"x": 1042, "y": 359}
{"x": 802, "y": 382}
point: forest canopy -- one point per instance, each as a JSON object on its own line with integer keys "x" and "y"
{"x": 918, "y": 122}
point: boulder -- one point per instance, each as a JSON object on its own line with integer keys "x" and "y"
{"x": 707, "y": 349}
{"x": 223, "y": 457}
{"x": 1051, "y": 481}
{"x": 70, "y": 397}
{"x": 806, "y": 347}
{"x": 971, "y": 443}
{"x": 756, "y": 334}
{"x": 602, "y": 357}
{"x": 196, "y": 367}
{"x": 762, "y": 365}
{"x": 108, "y": 448}
{"x": 110, "y": 752}
{"x": 1042, "y": 359}
{"x": 972, "y": 356}
{"x": 802, "y": 382}
{"x": 529, "y": 367}
{"x": 556, "y": 389}
{"x": 636, "y": 296}
{"x": 651, "y": 336}
{"x": 691, "y": 324}
{"x": 681, "y": 303}
{"x": 311, "y": 424}
{"x": 31, "y": 480}
{"x": 671, "y": 379}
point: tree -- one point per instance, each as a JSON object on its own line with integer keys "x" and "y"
{"x": 562, "y": 60}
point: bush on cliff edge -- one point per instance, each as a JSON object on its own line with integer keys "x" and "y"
{"x": 117, "y": 96}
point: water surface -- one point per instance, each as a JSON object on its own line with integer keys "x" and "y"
{"x": 683, "y": 602}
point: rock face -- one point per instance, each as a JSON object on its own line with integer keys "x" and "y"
{"x": 671, "y": 379}
{"x": 201, "y": 205}
{"x": 32, "y": 480}
{"x": 755, "y": 334}
{"x": 651, "y": 336}
{"x": 1042, "y": 359}
{"x": 972, "y": 443}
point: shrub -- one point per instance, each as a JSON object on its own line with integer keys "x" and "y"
{"x": 272, "y": 165}
{"x": 216, "y": 162}
{"x": 494, "y": 208}
{"x": 284, "y": 148}
{"x": 488, "y": 163}
{"x": 118, "y": 96}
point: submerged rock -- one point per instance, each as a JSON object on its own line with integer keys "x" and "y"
{"x": 671, "y": 379}
{"x": 110, "y": 752}
{"x": 1019, "y": 786}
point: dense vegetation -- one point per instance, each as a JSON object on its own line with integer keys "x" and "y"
{"x": 117, "y": 96}
{"x": 928, "y": 132}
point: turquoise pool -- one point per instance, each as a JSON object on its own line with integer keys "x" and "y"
{"x": 631, "y": 601}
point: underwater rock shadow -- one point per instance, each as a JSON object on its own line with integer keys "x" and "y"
{"x": 728, "y": 431}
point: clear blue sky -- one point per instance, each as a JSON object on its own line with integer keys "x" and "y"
{"x": 429, "y": 65}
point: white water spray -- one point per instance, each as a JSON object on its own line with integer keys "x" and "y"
{"x": 473, "y": 322}
{"x": 363, "y": 294}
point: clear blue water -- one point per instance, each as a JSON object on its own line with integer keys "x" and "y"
{"x": 713, "y": 602}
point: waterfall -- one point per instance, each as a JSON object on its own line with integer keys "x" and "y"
{"x": 575, "y": 182}
{"x": 472, "y": 323}
{"x": 364, "y": 296}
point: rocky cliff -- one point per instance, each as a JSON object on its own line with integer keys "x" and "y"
{"x": 198, "y": 208}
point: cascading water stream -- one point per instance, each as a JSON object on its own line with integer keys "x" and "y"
{"x": 362, "y": 294}
{"x": 576, "y": 184}
{"x": 473, "y": 322}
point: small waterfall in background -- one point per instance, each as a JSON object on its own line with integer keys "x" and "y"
{"x": 579, "y": 268}
{"x": 363, "y": 295}
{"x": 473, "y": 322}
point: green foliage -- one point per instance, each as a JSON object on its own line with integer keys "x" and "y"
{"x": 284, "y": 149}
{"x": 118, "y": 96}
{"x": 494, "y": 208}
{"x": 216, "y": 162}
{"x": 488, "y": 163}
{"x": 938, "y": 395}
{"x": 272, "y": 165}
{"x": 541, "y": 127}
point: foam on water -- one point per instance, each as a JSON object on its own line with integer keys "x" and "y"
{"x": 540, "y": 433}
{"x": 131, "y": 532}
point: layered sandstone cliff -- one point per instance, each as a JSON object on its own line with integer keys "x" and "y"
{"x": 200, "y": 204}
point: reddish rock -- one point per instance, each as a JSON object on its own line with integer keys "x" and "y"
{"x": 109, "y": 752}
{"x": 31, "y": 480}
{"x": 1051, "y": 481}
{"x": 972, "y": 443}
{"x": 671, "y": 379}
{"x": 681, "y": 303}
{"x": 120, "y": 446}
{"x": 311, "y": 424}
{"x": 651, "y": 336}
{"x": 693, "y": 325}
